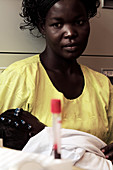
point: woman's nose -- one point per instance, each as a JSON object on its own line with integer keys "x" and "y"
{"x": 70, "y": 31}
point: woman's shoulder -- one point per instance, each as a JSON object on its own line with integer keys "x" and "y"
{"x": 21, "y": 66}
{"x": 97, "y": 79}
{"x": 93, "y": 73}
{"x": 24, "y": 63}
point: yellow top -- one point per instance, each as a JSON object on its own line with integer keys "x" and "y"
{"x": 26, "y": 84}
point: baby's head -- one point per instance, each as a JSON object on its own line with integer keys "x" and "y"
{"x": 17, "y": 127}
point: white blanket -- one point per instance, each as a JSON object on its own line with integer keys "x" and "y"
{"x": 82, "y": 148}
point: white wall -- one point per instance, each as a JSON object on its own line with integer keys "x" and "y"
{"x": 16, "y": 44}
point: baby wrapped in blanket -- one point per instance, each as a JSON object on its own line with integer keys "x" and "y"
{"x": 22, "y": 131}
{"x": 82, "y": 148}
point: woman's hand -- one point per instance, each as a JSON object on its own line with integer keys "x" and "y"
{"x": 108, "y": 152}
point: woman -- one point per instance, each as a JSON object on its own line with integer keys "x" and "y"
{"x": 86, "y": 96}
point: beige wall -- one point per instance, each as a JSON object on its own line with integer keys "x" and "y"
{"x": 99, "y": 52}
{"x": 16, "y": 44}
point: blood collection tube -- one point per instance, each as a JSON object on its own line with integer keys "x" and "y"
{"x": 56, "y": 124}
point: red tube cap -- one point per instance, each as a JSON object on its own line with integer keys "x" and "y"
{"x": 56, "y": 106}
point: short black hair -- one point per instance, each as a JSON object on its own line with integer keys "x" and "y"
{"x": 34, "y": 11}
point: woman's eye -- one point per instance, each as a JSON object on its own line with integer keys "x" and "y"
{"x": 80, "y": 22}
{"x": 57, "y": 25}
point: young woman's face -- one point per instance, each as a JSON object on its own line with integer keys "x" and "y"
{"x": 67, "y": 29}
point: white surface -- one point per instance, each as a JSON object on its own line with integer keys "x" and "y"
{"x": 18, "y": 160}
{"x": 27, "y": 165}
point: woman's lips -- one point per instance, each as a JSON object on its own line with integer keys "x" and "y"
{"x": 70, "y": 47}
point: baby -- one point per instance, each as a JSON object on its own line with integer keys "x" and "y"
{"x": 21, "y": 130}
{"x": 17, "y": 127}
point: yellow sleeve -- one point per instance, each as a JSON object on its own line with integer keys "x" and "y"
{"x": 110, "y": 115}
{"x": 14, "y": 89}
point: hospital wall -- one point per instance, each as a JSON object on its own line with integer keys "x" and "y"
{"x": 16, "y": 44}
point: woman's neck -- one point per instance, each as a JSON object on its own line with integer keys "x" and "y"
{"x": 57, "y": 63}
{"x": 64, "y": 74}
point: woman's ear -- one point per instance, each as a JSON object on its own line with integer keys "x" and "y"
{"x": 41, "y": 27}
